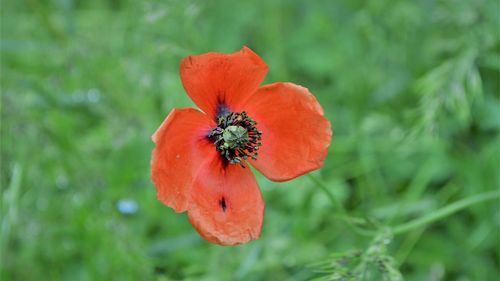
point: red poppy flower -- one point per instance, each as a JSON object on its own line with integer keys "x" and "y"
{"x": 200, "y": 161}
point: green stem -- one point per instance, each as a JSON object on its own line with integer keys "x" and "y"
{"x": 445, "y": 211}
{"x": 416, "y": 223}
{"x": 328, "y": 193}
{"x": 340, "y": 208}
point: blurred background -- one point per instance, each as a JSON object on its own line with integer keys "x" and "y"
{"x": 411, "y": 87}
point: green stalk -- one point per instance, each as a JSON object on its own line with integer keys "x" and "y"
{"x": 343, "y": 213}
{"x": 445, "y": 211}
{"x": 416, "y": 223}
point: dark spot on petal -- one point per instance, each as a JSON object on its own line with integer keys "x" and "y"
{"x": 222, "y": 203}
{"x": 222, "y": 109}
{"x": 225, "y": 163}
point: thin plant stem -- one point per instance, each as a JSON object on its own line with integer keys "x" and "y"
{"x": 445, "y": 211}
{"x": 328, "y": 193}
{"x": 340, "y": 208}
{"x": 416, "y": 223}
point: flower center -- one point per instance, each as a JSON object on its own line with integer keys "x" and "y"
{"x": 236, "y": 137}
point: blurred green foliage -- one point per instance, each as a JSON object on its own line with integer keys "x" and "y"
{"x": 411, "y": 87}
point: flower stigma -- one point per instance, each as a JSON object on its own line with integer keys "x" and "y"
{"x": 236, "y": 137}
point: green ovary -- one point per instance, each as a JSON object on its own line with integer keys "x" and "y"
{"x": 235, "y": 137}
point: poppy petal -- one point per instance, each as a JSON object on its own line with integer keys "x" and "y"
{"x": 295, "y": 133}
{"x": 181, "y": 148}
{"x": 226, "y": 206}
{"x": 217, "y": 81}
